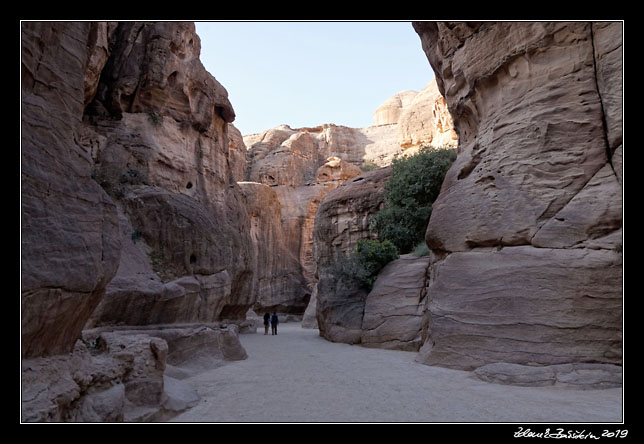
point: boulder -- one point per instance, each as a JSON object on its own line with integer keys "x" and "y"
{"x": 102, "y": 380}
{"x": 394, "y": 310}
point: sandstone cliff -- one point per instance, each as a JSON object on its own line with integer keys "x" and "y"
{"x": 527, "y": 230}
{"x": 131, "y": 216}
{"x": 341, "y": 221}
{"x": 302, "y": 165}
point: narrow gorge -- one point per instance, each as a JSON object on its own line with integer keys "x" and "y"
{"x": 154, "y": 233}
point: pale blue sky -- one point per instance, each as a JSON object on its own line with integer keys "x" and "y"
{"x": 310, "y": 73}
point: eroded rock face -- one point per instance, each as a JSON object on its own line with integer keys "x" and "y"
{"x": 394, "y": 309}
{"x": 341, "y": 221}
{"x": 130, "y": 215}
{"x": 304, "y": 164}
{"x": 158, "y": 129}
{"x": 299, "y": 167}
{"x": 280, "y": 283}
{"x": 529, "y": 215}
{"x": 70, "y": 243}
{"x": 114, "y": 378}
{"x": 426, "y": 121}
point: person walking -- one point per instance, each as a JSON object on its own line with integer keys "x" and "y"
{"x": 267, "y": 317}
{"x": 274, "y": 321}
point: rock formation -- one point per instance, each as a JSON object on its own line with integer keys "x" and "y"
{"x": 302, "y": 165}
{"x": 298, "y": 167}
{"x": 394, "y": 309}
{"x": 70, "y": 232}
{"x": 131, "y": 218}
{"x": 527, "y": 229}
{"x": 280, "y": 284}
{"x": 389, "y": 112}
{"x": 341, "y": 221}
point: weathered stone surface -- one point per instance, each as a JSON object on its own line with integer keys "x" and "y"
{"x": 280, "y": 284}
{"x": 426, "y": 121}
{"x": 343, "y": 219}
{"x": 166, "y": 156}
{"x": 299, "y": 166}
{"x": 511, "y": 164}
{"x": 537, "y": 111}
{"x": 310, "y": 318}
{"x": 178, "y": 396}
{"x": 155, "y": 66}
{"x": 129, "y": 204}
{"x": 390, "y": 111}
{"x": 95, "y": 383}
{"x": 69, "y": 225}
{"x": 580, "y": 376}
{"x": 303, "y": 164}
{"x": 393, "y": 312}
{"x": 237, "y": 154}
{"x": 525, "y": 305}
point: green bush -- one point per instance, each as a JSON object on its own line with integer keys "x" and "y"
{"x": 364, "y": 264}
{"x": 372, "y": 256}
{"x": 414, "y": 186}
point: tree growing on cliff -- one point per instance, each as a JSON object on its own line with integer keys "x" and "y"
{"x": 410, "y": 193}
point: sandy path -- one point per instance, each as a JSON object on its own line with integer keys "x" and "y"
{"x": 297, "y": 376}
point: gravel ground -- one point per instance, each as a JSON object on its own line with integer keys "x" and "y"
{"x": 297, "y": 376}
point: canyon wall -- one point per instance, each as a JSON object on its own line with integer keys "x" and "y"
{"x": 302, "y": 165}
{"x": 526, "y": 234}
{"x": 132, "y": 220}
{"x": 341, "y": 221}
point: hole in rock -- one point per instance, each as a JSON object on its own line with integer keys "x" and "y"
{"x": 189, "y": 185}
{"x": 193, "y": 259}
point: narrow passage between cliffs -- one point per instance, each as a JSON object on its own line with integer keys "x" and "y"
{"x": 297, "y": 376}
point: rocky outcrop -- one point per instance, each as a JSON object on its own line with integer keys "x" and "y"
{"x": 420, "y": 118}
{"x": 304, "y": 164}
{"x": 527, "y": 228}
{"x": 70, "y": 243}
{"x": 131, "y": 215}
{"x": 394, "y": 310}
{"x": 389, "y": 112}
{"x": 576, "y": 375}
{"x": 280, "y": 284}
{"x": 426, "y": 121}
{"x": 341, "y": 221}
{"x": 298, "y": 167}
{"x": 124, "y": 375}
{"x": 158, "y": 130}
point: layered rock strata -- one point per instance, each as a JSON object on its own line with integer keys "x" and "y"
{"x": 70, "y": 243}
{"x": 527, "y": 230}
{"x": 158, "y": 130}
{"x": 280, "y": 284}
{"x": 131, "y": 215}
{"x": 394, "y": 309}
{"x": 294, "y": 171}
{"x": 302, "y": 165}
{"x": 341, "y": 221}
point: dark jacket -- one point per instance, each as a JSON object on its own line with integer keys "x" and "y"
{"x": 274, "y": 320}
{"x": 266, "y": 318}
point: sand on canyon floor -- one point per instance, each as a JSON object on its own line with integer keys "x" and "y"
{"x": 297, "y": 376}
